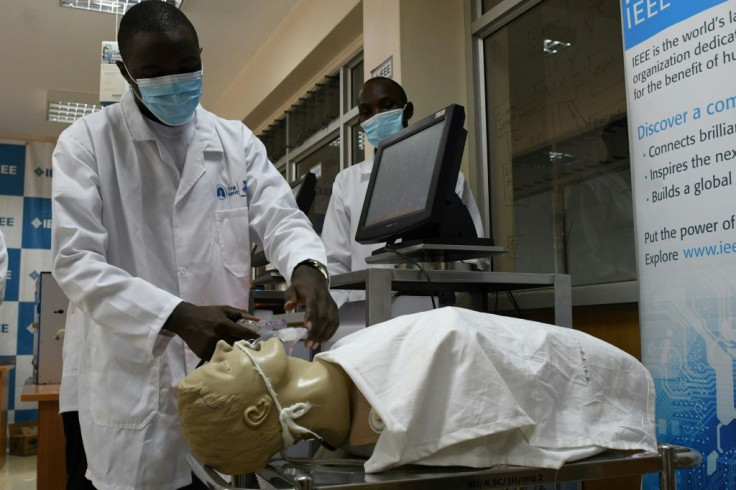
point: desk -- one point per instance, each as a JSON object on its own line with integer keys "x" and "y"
{"x": 378, "y": 284}
{"x": 51, "y": 469}
{"x": 4, "y": 389}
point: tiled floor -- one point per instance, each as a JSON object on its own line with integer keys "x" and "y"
{"x": 19, "y": 473}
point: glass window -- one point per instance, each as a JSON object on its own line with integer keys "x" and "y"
{"x": 324, "y": 162}
{"x": 356, "y": 82}
{"x": 560, "y": 189}
{"x": 295, "y": 141}
{"x": 358, "y": 139}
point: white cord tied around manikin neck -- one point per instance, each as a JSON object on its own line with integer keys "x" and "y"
{"x": 287, "y": 415}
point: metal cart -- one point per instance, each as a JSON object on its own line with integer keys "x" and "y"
{"x": 337, "y": 475}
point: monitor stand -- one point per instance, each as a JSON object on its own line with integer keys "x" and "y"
{"x": 433, "y": 251}
{"x": 451, "y": 238}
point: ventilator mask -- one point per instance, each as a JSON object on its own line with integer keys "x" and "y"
{"x": 171, "y": 98}
{"x": 383, "y": 125}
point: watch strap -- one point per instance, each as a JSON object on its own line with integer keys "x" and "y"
{"x": 319, "y": 266}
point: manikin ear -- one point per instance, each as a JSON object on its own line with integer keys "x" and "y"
{"x": 255, "y": 415}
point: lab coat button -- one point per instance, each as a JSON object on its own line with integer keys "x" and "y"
{"x": 183, "y": 271}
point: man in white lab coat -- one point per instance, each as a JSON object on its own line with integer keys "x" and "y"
{"x": 383, "y": 110}
{"x": 156, "y": 202}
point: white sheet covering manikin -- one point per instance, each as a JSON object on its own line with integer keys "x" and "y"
{"x": 458, "y": 387}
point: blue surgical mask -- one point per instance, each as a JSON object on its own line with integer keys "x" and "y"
{"x": 383, "y": 125}
{"x": 172, "y": 98}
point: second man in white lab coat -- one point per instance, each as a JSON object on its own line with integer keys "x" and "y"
{"x": 383, "y": 111}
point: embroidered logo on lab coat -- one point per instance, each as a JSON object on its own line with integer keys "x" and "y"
{"x": 223, "y": 192}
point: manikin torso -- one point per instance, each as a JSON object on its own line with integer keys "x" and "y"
{"x": 364, "y": 425}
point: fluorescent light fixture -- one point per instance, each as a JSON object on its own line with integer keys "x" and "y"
{"x": 550, "y": 46}
{"x": 118, "y": 7}
{"x": 68, "y": 112}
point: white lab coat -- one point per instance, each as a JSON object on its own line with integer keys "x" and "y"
{"x": 3, "y": 266}
{"x": 131, "y": 239}
{"x": 344, "y": 254}
{"x": 475, "y": 389}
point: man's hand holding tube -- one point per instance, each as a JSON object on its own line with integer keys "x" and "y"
{"x": 309, "y": 288}
{"x": 201, "y": 327}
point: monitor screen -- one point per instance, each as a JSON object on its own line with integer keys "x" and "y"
{"x": 403, "y": 185}
{"x": 411, "y": 192}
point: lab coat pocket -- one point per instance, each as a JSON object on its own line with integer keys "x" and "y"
{"x": 125, "y": 388}
{"x": 234, "y": 240}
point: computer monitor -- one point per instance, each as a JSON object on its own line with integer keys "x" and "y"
{"x": 411, "y": 193}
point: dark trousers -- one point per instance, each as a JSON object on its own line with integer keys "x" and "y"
{"x": 76, "y": 458}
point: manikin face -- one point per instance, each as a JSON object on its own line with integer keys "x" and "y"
{"x": 226, "y": 400}
{"x": 230, "y": 371}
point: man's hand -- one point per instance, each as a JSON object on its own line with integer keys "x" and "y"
{"x": 309, "y": 288}
{"x": 201, "y": 327}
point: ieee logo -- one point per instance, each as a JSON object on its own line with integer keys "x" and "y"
{"x": 36, "y": 223}
{"x": 43, "y": 172}
{"x": 12, "y": 169}
{"x": 46, "y": 223}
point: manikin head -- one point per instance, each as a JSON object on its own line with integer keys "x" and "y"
{"x": 248, "y": 403}
{"x": 383, "y": 109}
{"x": 157, "y": 40}
{"x": 226, "y": 413}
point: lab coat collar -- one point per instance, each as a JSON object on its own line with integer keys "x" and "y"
{"x": 366, "y": 166}
{"x": 139, "y": 130}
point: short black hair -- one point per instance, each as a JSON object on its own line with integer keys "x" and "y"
{"x": 150, "y": 16}
{"x": 391, "y": 81}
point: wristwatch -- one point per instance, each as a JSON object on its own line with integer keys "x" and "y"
{"x": 314, "y": 264}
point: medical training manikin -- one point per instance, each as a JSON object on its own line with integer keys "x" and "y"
{"x": 442, "y": 387}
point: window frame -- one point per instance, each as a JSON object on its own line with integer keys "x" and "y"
{"x": 483, "y": 25}
{"x": 340, "y": 127}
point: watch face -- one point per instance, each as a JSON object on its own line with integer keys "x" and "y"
{"x": 317, "y": 265}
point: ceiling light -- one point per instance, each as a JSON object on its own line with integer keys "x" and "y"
{"x": 68, "y": 112}
{"x": 550, "y": 46}
{"x": 110, "y": 6}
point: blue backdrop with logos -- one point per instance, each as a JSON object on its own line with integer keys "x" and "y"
{"x": 25, "y": 220}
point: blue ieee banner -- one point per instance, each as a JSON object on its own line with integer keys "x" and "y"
{"x": 642, "y": 19}
{"x": 12, "y": 284}
{"x": 11, "y": 388}
{"x": 12, "y": 169}
{"x": 26, "y": 415}
{"x": 36, "y": 222}
{"x": 25, "y": 320}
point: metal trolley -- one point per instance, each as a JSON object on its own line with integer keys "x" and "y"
{"x": 338, "y": 475}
